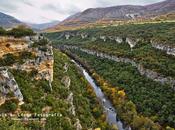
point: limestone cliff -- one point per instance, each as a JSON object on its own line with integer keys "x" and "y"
{"x": 143, "y": 71}
{"x": 41, "y": 62}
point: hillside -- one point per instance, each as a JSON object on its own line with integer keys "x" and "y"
{"x": 8, "y": 21}
{"x": 110, "y": 15}
{"x": 41, "y": 88}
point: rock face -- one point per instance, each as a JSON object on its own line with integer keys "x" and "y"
{"x": 83, "y": 36}
{"x": 146, "y": 72}
{"x": 70, "y": 101}
{"x": 119, "y": 40}
{"x": 43, "y": 61}
{"x": 169, "y": 50}
{"x": 103, "y": 38}
{"x": 9, "y": 84}
{"x": 67, "y": 36}
{"x": 66, "y": 81}
{"x": 2, "y": 99}
{"x": 78, "y": 125}
{"x": 65, "y": 67}
{"x": 12, "y": 45}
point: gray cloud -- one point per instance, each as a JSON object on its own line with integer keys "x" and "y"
{"x": 72, "y": 9}
{"x": 39, "y": 11}
{"x": 7, "y": 5}
{"x": 28, "y": 3}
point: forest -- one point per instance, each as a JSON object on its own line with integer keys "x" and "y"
{"x": 152, "y": 99}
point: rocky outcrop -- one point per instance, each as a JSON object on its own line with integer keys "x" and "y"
{"x": 93, "y": 39}
{"x": 67, "y": 36}
{"x": 119, "y": 40}
{"x": 132, "y": 43}
{"x": 66, "y": 81}
{"x": 70, "y": 101}
{"x": 42, "y": 63}
{"x": 103, "y": 38}
{"x": 78, "y": 125}
{"x": 168, "y": 49}
{"x": 2, "y": 99}
{"x": 65, "y": 67}
{"x": 145, "y": 72}
{"x": 43, "y": 55}
{"x": 9, "y": 84}
{"x": 83, "y": 35}
{"x": 12, "y": 45}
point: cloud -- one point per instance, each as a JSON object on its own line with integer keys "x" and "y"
{"x": 69, "y": 9}
{"x": 40, "y": 11}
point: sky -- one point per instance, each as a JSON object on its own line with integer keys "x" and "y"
{"x": 42, "y": 11}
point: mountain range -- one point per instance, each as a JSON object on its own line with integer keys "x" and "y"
{"x": 43, "y": 25}
{"x": 93, "y": 15}
{"x": 8, "y": 21}
{"x": 118, "y": 13}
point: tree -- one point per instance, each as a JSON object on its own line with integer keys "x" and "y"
{"x": 2, "y": 31}
{"x": 21, "y": 31}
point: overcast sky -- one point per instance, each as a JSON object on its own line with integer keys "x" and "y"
{"x": 41, "y": 11}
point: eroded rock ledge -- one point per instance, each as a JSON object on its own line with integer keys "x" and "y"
{"x": 145, "y": 72}
{"x": 168, "y": 49}
{"x": 132, "y": 42}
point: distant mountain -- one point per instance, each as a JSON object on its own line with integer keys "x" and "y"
{"x": 43, "y": 26}
{"x": 161, "y": 8}
{"x": 125, "y": 12}
{"x": 7, "y": 21}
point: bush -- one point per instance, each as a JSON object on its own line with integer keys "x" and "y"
{"x": 8, "y": 60}
{"x": 10, "y": 105}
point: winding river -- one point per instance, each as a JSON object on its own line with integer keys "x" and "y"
{"x": 109, "y": 110}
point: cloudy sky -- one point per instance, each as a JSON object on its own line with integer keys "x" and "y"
{"x": 41, "y": 11}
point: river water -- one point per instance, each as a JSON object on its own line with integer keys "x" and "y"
{"x": 109, "y": 110}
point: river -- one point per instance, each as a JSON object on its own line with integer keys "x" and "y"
{"x": 109, "y": 110}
